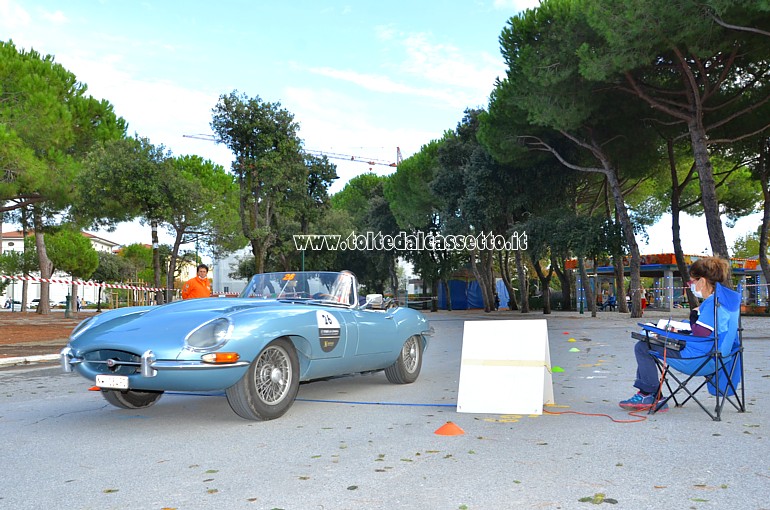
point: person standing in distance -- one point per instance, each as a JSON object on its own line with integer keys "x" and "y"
{"x": 199, "y": 286}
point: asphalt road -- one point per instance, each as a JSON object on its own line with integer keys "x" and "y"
{"x": 361, "y": 442}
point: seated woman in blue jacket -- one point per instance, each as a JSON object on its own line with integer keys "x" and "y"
{"x": 705, "y": 273}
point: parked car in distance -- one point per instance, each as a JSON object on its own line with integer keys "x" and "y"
{"x": 35, "y": 302}
{"x": 284, "y": 328}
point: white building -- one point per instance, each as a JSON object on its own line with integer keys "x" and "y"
{"x": 13, "y": 241}
{"x": 220, "y": 273}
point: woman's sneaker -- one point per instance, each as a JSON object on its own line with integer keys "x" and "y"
{"x": 641, "y": 402}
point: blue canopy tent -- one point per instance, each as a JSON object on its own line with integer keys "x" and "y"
{"x": 465, "y": 294}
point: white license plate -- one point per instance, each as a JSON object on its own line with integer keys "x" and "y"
{"x": 117, "y": 382}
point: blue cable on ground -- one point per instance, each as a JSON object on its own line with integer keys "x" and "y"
{"x": 373, "y": 403}
{"x": 354, "y": 402}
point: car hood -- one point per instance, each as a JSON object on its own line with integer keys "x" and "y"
{"x": 160, "y": 328}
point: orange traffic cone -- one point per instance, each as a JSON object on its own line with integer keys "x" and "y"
{"x": 449, "y": 429}
{"x": 94, "y": 388}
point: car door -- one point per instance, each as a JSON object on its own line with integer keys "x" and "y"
{"x": 336, "y": 333}
{"x": 377, "y": 331}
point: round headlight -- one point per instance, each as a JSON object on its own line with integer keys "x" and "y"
{"x": 210, "y": 335}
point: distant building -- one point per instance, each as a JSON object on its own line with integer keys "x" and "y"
{"x": 667, "y": 290}
{"x": 186, "y": 270}
{"x": 13, "y": 241}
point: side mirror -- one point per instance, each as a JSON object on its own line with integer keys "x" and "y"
{"x": 373, "y": 301}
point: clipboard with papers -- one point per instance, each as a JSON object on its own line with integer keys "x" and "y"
{"x": 667, "y": 333}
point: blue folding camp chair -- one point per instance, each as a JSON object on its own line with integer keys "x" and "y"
{"x": 721, "y": 368}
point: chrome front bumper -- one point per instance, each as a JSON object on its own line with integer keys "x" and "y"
{"x": 148, "y": 366}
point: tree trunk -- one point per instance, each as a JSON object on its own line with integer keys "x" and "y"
{"x": 256, "y": 250}
{"x": 393, "y": 275}
{"x": 588, "y": 293}
{"x": 707, "y": 188}
{"x": 156, "y": 261}
{"x": 475, "y": 271}
{"x": 46, "y": 266}
{"x": 566, "y": 285}
{"x": 762, "y": 173}
{"x": 73, "y": 296}
{"x": 763, "y": 234}
{"x": 488, "y": 274}
{"x": 676, "y": 195}
{"x": 480, "y": 278}
{"x": 698, "y": 140}
{"x": 684, "y": 271}
{"x": 434, "y": 296}
{"x": 503, "y": 259}
{"x": 172, "y": 265}
{"x": 259, "y": 250}
{"x": 628, "y": 233}
{"x": 25, "y": 294}
{"x": 523, "y": 282}
{"x": 764, "y": 231}
{"x": 620, "y": 282}
{"x": 597, "y": 289}
{"x": 25, "y": 272}
{"x": 546, "y": 283}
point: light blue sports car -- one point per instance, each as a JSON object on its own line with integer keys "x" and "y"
{"x": 284, "y": 328}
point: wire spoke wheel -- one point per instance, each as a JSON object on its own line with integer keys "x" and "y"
{"x": 407, "y": 367}
{"x": 268, "y": 388}
{"x": 410, "y": 353}
{"x": 273, "y": 375}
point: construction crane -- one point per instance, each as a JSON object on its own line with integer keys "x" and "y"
{"x": 330, "y": 155}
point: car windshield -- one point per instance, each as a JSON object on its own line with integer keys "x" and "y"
{"x": 323, "y": 286}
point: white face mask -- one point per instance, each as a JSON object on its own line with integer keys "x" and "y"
{"x": 697, "y": 293}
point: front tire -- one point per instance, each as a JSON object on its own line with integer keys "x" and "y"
{"x": 268, "y": 388}
{"x": 131, "y": 399}
{"x": 407, "y": 367}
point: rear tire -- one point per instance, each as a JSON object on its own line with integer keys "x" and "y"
{"x": 268, "y": 388}
{"x": 131, "y": 399}
{"x": 407, "y": 367}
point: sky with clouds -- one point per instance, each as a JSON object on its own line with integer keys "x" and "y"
{"x": 362, "y": 78}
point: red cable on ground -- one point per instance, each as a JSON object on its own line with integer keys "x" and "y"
{"x": 615, "y": 420}
{"x": 631, "y": 413}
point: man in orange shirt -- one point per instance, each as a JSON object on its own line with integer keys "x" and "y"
{"x": 199, "y": 286}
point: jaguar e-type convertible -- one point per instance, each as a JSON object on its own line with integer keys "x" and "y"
{"x": 283, "y": 329}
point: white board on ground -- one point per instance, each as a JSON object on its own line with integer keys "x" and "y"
{"x": 505, "y": 367}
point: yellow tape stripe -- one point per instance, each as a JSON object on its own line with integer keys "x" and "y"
{"x": 505, "y": 363}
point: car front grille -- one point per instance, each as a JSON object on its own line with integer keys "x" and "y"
{"x": 115, "y": 362}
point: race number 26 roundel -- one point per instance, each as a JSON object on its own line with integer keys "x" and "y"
{"x": 328, "y": 330}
